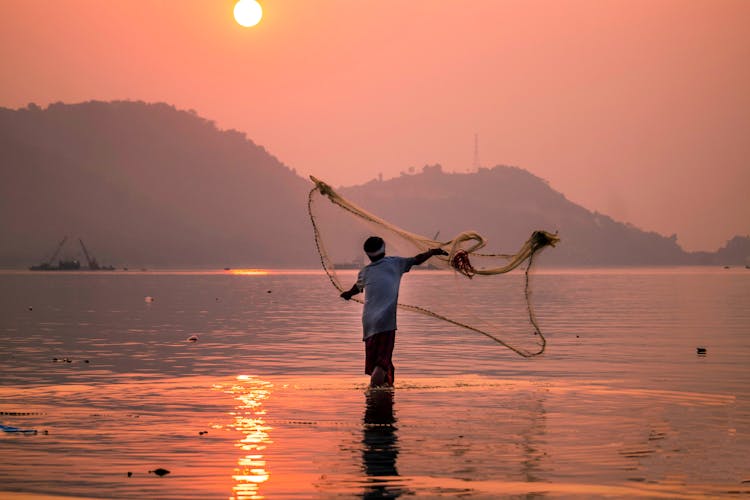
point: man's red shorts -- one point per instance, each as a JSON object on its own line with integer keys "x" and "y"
{"x": 379, "y": 352}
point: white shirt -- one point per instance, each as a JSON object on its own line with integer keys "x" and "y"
{"x": 380, "y": 280}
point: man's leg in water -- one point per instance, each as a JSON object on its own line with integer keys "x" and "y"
{"x": 378, "y": 377}
{"x": 379, "y": 364}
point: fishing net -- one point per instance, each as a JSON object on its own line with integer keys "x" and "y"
{"x": 344, "y": 226}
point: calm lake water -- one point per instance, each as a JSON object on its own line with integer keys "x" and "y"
{"x": 271, "y": 402}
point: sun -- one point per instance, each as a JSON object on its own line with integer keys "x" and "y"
{"x": 248, "y": 13}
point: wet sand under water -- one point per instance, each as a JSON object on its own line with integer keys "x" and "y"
{"x": 244, "y": 437}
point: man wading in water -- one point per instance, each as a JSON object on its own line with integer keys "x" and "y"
{"x": 380, "y": 280}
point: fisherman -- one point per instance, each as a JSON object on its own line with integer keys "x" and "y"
{"x": 380, "y": 280}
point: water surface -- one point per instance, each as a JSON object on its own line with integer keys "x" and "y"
{"x": 270, "y": 401}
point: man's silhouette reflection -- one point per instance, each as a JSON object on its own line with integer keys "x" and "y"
{"x": 380, "y": 444}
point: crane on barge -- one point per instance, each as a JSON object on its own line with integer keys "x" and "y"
{"x": 70, "y": 264}
{"x": 62, "y": 265}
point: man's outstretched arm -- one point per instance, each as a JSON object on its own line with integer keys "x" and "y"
{"x": 350, "y": 293}
{"x": 422, "y": 257}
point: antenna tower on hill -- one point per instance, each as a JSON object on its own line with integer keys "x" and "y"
{"x": 476, "y": 151}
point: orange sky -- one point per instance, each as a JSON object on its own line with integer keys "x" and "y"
{"x": 637, "y": 109}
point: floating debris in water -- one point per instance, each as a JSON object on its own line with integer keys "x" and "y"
{"x": 203, "y": 432}
{"x": 192, "y": 338}
{"x": 130, "y": 474}
{"x": 31, "y": 308}
{"x": 701, "y": 351}
{"x": 11, "y": 429}
{"x": 269, "y": 291}
{"x": 159, "y": 472}
{"x": 148, "y": 299}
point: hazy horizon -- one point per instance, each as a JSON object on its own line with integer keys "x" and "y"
{"x": 633, "y": 109}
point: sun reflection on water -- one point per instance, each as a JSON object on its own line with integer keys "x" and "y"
{"x": 249, "y": 418}
{"x": 248, "y": 272}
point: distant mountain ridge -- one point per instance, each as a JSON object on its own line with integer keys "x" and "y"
{"x": 145, "y": 184}
{"x": 150, "y": 185}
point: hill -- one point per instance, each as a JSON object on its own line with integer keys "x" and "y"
{"x": 505, "y": 204}
{"x": 147, "y": 185}
{"x": 150, "y": 185}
